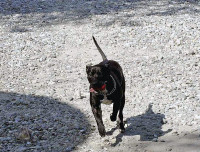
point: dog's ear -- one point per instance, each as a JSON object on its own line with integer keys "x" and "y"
{"x": 88, "y": 67}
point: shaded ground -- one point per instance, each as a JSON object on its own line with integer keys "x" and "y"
{"x": 23, "y": 15}
{"x": 148, "y": 126}
{"x": 52, "y": 125}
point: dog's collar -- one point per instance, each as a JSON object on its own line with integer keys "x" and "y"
{"x": 104, "y": 87}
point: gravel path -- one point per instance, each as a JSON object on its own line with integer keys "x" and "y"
{"x": 44, "y": 99}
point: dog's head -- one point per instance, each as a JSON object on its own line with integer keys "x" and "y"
{"x": 97, "y": 76}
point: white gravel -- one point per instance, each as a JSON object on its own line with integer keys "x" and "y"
{"x": 45, "y": 46}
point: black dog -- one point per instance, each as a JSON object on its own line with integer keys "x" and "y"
{"x": 107, "y": 85}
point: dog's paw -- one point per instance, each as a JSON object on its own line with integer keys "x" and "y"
{"x": 102, "y": 133}
{"x": 113, "y": 118}
{"x": 122, "y": 130}
{"x": 121, "y": 127}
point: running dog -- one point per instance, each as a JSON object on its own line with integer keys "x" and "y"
{"x": 107, "y": 86}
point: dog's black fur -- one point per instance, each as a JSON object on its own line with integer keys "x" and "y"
{"x": 108, "y": 72}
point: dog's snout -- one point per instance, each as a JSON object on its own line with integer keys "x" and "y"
{"x": 96, "y": 76}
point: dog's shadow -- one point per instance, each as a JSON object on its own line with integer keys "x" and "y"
{"x": 148, "y": 126}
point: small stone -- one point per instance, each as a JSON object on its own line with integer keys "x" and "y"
{"x": 137, "y": 137}
{"x": 42, "y": 59}
{"x": 112, "y": 141}
{"x": 175, "y": 133}
{"x": 28, "y": 143}
{"x": 155, "y": 139}
{"x": 105, "y": 148}
{"x": 77, "y": 94}
{"x": 24, "y": 135}
{"x": 82, "y": 131}
{"x": 169, "y": 149}
{"x": 163, "y": 121}
{"x": 68, "y": 149}
{"x": 162, "y": 140}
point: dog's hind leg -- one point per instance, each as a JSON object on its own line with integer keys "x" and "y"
{"x": 116, "y": 106}
{"x": 121, "y": 123}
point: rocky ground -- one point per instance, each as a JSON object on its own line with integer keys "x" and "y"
{"x": 44, "y": 96}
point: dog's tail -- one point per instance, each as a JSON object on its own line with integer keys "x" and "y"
{"x": 100, "y": 50}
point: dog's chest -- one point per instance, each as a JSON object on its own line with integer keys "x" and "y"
{"x": 105, "y": 100}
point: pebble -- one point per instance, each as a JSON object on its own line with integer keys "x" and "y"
{"x": 68, "y": 149}
{"x": 155, "y": 139}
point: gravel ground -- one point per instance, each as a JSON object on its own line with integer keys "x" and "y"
{"x": 44, "y": 97}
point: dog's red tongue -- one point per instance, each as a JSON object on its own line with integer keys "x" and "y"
{"x": 92, "y": 90}
{"x": 103, "y": 87}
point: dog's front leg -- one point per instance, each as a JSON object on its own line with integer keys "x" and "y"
{"x": 96, "y": 109}
{"x": 98, "y": 117}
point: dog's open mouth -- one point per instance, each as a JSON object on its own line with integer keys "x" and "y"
{"x": 95, "y": 89}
